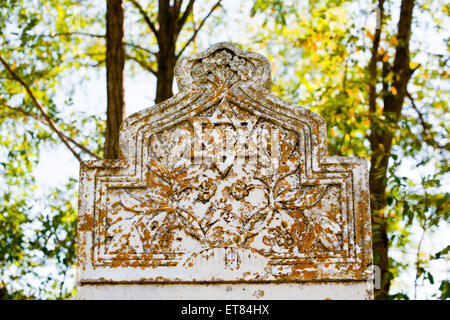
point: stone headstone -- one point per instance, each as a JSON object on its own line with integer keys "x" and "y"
{"x": 224, "y": 191}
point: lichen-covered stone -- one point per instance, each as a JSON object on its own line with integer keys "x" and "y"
{"x": 224, "y": 182}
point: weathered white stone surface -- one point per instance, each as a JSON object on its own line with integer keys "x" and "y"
{"x": 280, "y": 291}
{"x": 224, "y": 183}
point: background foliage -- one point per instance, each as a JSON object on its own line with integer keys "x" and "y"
{"x": 320, "y": 52}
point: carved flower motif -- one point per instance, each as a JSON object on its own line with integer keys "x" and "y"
{"x": 279, "y": 236}
{"x": 207, "y": 190}
{"x": 222, "y": 58}
{"x": 239, "y": 190}
{"x": 209, "y": 63}
{"x": 245, "y": 73}
{"x": 224, "y": 66}
{"x": 200, "y": 72}
{"x": 227, "y": 216}
{"x": 238, "y": 65}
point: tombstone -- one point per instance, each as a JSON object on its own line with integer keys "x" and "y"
{"x": 224, "y": 191}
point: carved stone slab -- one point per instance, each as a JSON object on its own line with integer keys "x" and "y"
{"x": 224, "y": 183}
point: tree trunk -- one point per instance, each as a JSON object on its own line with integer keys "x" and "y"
{"x": 165, "y": 75}
{"x": 115, "y": 57}
{"x": 381, "y": 136}
{"x": 168, "y": 34}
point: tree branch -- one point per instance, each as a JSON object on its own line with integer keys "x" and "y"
{"x": 93, "y": 35}
{"x": 26, "y": 113}
{"x": 199, "y": 27}
{"x": 129, "y": 44}
{"x": 384, "y": 75}
{"x": 44, "y": 113}
{"x": 425, "y": 126}
{"x": 373, "y": 72}
{"x": 141, "y": 63}
{"x": 185, "y": 15}
{"x": 146, "y": 17}
{"x": 44, "y": 121}
{"x": 69, "y": 34}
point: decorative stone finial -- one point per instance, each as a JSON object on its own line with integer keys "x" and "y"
{"x": 223, "y": 64}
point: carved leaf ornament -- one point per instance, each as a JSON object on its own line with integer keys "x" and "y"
{"x": 225, "y": 170}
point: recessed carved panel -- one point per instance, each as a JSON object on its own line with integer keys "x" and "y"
{"x": 224, "y": 182}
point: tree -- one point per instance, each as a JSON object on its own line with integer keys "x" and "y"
{"x": 38, "y": 225}
{"x": 382, "y": 132}
{"x": 395, "y": 77}
{"x": 115, "y": 62}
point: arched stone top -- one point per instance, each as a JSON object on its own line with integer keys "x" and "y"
{"x": 248, "y": 83}
{"x": 223, "y": 62}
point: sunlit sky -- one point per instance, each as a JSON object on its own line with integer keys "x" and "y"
{"x": 57, "y": 164}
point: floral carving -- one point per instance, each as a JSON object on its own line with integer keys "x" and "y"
{"x": 243, "y": 70}
{"x": 207, "y": 189}
{"x": 222, "y": 67}
{"x": 215, "y": 207}
{"x": 279, "y": 236}
{"x": 239, "y": 190}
